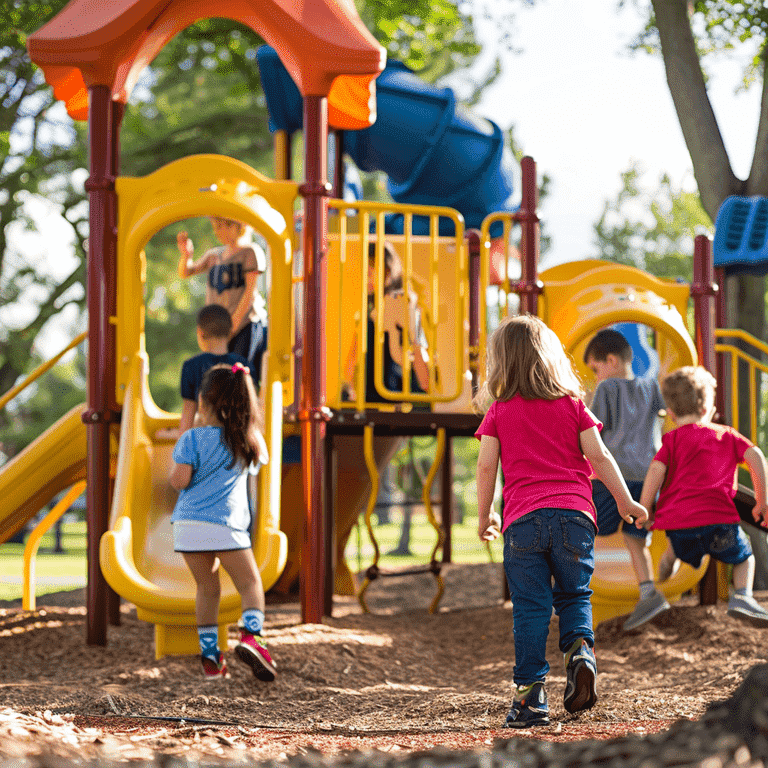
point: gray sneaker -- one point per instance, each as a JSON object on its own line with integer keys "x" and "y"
{"x": 646, "y": 609}
{"x": 746, "y": 608}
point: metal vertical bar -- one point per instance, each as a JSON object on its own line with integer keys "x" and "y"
{"x": 529, "y": 286}
{"x": 117, "y": 113}
{"x": 473, "y": 245}
{"x": 98, "y": 416}
{"x": 703, "y": 291}
{"x": 447, "y": 497}
{"x": 312, "y": 411}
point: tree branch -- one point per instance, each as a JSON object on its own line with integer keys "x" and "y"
{"x": 701, "y": 132}
{"x": 757, "y": 183}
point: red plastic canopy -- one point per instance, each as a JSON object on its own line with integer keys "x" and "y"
{"x": 109, "y": 42}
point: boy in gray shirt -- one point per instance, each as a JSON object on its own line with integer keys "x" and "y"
{"x": 629, "y": 409}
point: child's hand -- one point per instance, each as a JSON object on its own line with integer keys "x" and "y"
{"x": 186, "y": 246}
{"x": 489, "y": 527}
{"x": 760, "y": 514}
{"x": 634, "y": 513}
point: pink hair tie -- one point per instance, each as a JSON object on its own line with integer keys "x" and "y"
{"x": 239, "y": 367}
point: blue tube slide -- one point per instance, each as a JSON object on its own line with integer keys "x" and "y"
{"x": 433, "y": 151}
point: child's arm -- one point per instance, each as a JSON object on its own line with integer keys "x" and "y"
{"x": 188, "y": 411}
{"x": 187, "y": 266}
{"x": 755, "y": 460}
{"x": 606, "y": 470}
{"x": 489, "y": 522}
{"x": 246, "y": 301}
{"x": 653, "y": 480}
{"x": 181, "y": 475}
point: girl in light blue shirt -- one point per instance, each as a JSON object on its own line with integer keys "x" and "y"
{"x": 211, "y": 519}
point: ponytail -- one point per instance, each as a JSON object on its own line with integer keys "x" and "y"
{"x": 229, "y": 392}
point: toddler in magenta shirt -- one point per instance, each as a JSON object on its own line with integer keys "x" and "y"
{"x": 537, "y": 426}
{"x": 696, "y": 470}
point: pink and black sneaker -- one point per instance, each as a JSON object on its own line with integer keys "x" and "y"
{"x": 214, "y": 670}
{"x": 251, "y": 651}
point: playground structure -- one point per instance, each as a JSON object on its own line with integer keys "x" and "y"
{"x": 312, "y": 283}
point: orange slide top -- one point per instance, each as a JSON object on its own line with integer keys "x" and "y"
{"x": 323, "y": 43}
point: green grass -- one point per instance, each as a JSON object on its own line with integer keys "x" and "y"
{"x": 68, "y": 569}
{"x": 465, "y": 546}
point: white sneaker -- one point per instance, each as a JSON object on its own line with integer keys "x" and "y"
{"x": 746, "y": 608}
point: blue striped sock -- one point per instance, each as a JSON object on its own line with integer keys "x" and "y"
{"x": 253, "y": 620}
{"x": 209, "y": 642}
{"x": 744, "y": 592}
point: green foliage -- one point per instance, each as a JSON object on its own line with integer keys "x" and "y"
{"x": 651, "y": 229}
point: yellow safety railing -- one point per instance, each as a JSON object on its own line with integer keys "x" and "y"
{"x": 39, "y": 371}
{"x": 438, "y": 278}
{"x": 503, "y": 290}
{"x": 373, "y": 571}
{"x": 737, "y": 356}
{"x": 33, "y": 543}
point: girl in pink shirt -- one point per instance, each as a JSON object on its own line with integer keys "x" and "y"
{"x": 537, "y": 426}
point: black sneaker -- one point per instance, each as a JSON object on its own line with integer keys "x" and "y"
{"x": 581, "y": 678}
{"x": 529, "y": 707}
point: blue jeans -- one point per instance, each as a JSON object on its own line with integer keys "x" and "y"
{"x": 726, "y": 543}
{"x": 608, "y": 517}
{"x": 543, "y": 545}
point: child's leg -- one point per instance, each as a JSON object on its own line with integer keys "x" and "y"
{"x": 573, "y": 563}
{"x": 204, "y": 567}
{"x": 642, "y": 564}
{"x": 241, "y": 565}
{"x": 744, "y": 576}
{"x": 205, "y": 571}
{"x": 526, "y": 545}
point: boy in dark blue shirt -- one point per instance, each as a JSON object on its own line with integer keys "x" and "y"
{"x": 214, "y": 326}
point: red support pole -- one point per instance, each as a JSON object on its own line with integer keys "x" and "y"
{"x": 703, "y": 292}
{"x": 101, "y": 359}
{"x": 312, "y": 412}
{"x": 529, "y": 287}
{"x": 117, "y": 113}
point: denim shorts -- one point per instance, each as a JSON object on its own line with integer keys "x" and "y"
{"x": 608, "y": 517}
{"x": 726, "y": 543}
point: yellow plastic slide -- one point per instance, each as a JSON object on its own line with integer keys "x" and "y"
{"x": 137, "y": 556}
{"x": 47, "y": 466}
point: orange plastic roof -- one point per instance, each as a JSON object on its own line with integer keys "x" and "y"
{"x": 323, "y": 44}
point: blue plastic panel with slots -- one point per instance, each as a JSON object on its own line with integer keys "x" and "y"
{"x": 741, "y": 235}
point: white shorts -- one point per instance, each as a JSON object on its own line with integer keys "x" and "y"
{"x": 193, "y": 536}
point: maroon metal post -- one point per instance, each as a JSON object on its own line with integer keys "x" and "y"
{"x": 312, "y": 412}
{"x": 529, "y": 287}
{"x": 703, "y": 292}
{"x": 473, "y": 246}
{"x": 447, "y": 499}
{"x": 99, "y": 415}
{"x": 117, "y": 113}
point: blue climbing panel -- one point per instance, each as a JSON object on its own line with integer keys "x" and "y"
{"x": 741, "y": 236}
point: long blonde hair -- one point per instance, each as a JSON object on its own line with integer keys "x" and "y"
{"x": 525, "y": 357}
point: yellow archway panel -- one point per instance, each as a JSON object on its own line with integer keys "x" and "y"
{"x": 135, "y": 555}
